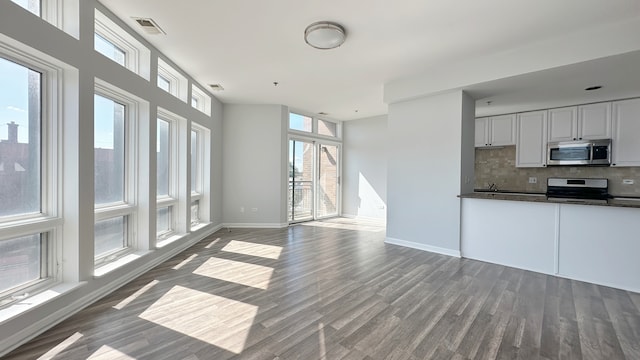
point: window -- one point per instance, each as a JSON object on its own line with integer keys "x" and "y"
{"x": 199, "y": 187}
{"x": 300, "y": 122}
{"x": 115, "y": 116}
{"x": 108, "y": 49}
{"x": 327, "y": 128}
{"x": 200, "y": 100}
{"x": 28, "y": 173}
{"x": 120, "y": 46}
{"x": 63, "y": 14}
{"x": 166, "y": 174}
{"x": 172, "y": 81}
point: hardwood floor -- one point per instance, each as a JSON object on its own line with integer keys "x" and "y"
{"x": 334, "y": 290}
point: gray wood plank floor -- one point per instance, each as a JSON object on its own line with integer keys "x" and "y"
{"x": 334, "y": 290}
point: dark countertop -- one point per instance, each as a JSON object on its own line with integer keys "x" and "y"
{"x": 541, "y": 197}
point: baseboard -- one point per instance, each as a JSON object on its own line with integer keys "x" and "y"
{"x": 255, "y": 225}
{"x": 423, "y": 247}
{"x": 23, "y": 336}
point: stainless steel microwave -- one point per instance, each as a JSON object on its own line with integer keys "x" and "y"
{"x": 583, "y": 152}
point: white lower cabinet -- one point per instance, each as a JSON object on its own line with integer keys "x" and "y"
{"x": 597, "y": 244}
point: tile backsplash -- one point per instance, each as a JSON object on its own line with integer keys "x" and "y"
{"x": 498, "y": 166}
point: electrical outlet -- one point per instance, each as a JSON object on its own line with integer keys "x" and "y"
{"x": 533, "y": 180}
{"x": 241, "y": 209}
{"x": 254, "y": 209}
{"x": 628, "y": 181}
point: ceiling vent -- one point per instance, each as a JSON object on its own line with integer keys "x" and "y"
{"x": 323, "y": 113}
{"x": 149, "y": 26}
{"x": 216, "y": 87}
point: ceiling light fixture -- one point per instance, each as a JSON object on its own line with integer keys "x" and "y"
{"x": 324, "y": 35}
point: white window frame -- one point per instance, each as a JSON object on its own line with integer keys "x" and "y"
{"x": 203, "y": 100}
{"x": 171, "y": 200}
{"x": 314, "y": 126}
{"x": 201, "y": 192}
{"x": 178, "y": 83}
{"x": 63, "y": 14}
{"x": 137, "y": 56}
{"x": 48, "y": 221}
{"x": 128, "y": 207}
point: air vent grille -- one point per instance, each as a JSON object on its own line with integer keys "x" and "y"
{"x": 323, "y": 113}
{"x": 149, "y": 26}
{"x": 216, "y": 87}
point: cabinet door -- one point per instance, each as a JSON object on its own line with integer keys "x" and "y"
{"x": 563, "y": 124}
{"x": 594, "y": 121}
{"x": 503, "y": 130}
{"x": 531, "y": 141}
{"x": 626, "y": 131}
{"x": 482, "y": 132}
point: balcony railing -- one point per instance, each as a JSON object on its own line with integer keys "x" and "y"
{"x": 300, "y": 199}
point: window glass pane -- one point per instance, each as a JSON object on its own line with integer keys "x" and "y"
{"x": 20, "y": 261}
{"x": 109, "y": 144}
{"x": 164, "y": 84}
{"x": 327, "y": 128}
{"x": 194, "y": 102}
{"x": 163, "y": 158}
{"x": 20, "y": 116}
{"x": 110, "y": 235}
{"x": 163, "y": 223}
{"x": 31, "y": 5}
{"x": 195, "y": 212}
{"x": 194, "y": 161}
{"x": 300, "y": 122}
{"x": 109, "y": 49}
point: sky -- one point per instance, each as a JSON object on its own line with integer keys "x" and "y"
{"x": 14, "y": 99}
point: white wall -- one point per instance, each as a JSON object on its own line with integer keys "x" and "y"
{"x": 424, "y": 171}
{"x": 254, "y": 165}
{"x": 364, "y": 169}
{"x": 26, "y": 31}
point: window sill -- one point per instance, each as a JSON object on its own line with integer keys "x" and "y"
{"x": 109, "y": 267}
{"x": 199, "y": 226}
{"x": 37, "y": 300}
{"x": 164, "y": 242}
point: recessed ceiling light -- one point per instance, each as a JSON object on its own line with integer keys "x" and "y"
{"x": 216, "y": 87}
{"x": 591, "y": 88}
{"x": 324, "y": 35}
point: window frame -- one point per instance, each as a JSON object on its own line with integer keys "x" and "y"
{"x": 203, "y": 100}
{"x": 128, "y": 207}
{"x": 177, "y": 81}
{"x": 171, "y": 200}
{"x": 137, "y": 56}
{"x": 63, "y": 14}
{"x": 48, "y": 221}
{"x": 201, "y": 192}
{"x": 314, "y": 126}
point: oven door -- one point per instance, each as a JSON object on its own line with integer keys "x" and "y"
{"x": 573, "y": 153}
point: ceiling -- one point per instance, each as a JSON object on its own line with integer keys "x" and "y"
{"x": 247, "y": 45}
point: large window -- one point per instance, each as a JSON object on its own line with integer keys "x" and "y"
{"x": 199, "y": 189}
{"x": 115, "y": 173}
{"x": 28, "y": 208}
{"x": 166, "y": 174}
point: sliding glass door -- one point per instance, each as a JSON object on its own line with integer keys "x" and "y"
{"x": 328, "y": 181}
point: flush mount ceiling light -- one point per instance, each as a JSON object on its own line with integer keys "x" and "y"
{"x": 324, "y": 35}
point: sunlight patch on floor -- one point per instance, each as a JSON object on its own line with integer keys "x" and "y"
{"x": 216, "y": 320}
{"x": 185, "y": 262}
{"x": 51, "y": 354}
{"x": 253, "y": 249}
{"x": 209, "y": 245}
{"x": 106, "y": 352}
{"x": 253, "y": 275}
{"x": 135, "y": 295}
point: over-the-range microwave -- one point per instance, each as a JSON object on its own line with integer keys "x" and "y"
{"x": 583, "y": 152}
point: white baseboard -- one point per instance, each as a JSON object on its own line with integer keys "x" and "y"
{"x": 256, "y": 225}
{"x": 28, "y": 333}
{"x": 424, "y": 247}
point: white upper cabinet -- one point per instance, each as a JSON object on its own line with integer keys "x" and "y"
{"x": 594, "y": 121}
{"x": 531, "y": 141}
{"x": 496, "y": 131}
{"x": 585, "y": 122}
{"x": 626, "y": 132}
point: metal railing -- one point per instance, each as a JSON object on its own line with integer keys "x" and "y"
{"x": 300, "y": 199}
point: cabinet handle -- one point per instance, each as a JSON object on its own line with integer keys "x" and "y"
{"x": 580, "y": 139}
{"x": 574, "y": 138}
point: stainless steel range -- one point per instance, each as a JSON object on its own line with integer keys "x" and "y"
{"x": 578, "y": 190}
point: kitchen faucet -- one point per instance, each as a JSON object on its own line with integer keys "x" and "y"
{"x": 493, "y": 187}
